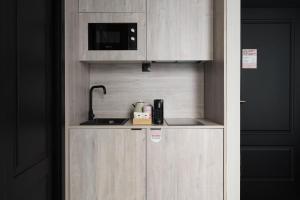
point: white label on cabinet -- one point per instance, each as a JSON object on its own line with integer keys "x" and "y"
{"x": 155, "y": 135}
{"x": 249, "y": 58}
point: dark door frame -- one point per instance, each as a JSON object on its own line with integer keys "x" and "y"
{"x": 58, "y": 100}
{"x": 277, "y": 5}
{"x": 8, "y": 15}
{"x": 270, "y": 3}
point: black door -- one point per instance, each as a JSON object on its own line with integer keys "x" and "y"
{"x": 29, "y": 132}
{"x": 270, "y": 115}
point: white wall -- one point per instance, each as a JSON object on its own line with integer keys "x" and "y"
{"x": 232, "y": 99}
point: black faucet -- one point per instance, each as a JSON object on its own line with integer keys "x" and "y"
{"x": 91, "y": 113}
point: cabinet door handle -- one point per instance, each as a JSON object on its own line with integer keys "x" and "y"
{"x": 136, "y": 129}
{"x": 242, "y": 101}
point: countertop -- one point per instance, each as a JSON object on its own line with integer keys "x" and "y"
{"x": 207, "y": 124}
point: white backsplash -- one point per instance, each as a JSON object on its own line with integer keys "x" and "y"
{"x": 181, "y": 85}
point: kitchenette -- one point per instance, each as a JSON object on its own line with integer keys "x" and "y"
{"x": 148, "y": 109}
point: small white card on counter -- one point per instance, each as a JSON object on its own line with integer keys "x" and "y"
{"x": 249, "y": 58}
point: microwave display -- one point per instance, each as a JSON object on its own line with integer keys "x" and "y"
{"x": 112, "y": 36}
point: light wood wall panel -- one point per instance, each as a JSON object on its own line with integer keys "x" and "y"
{"x": 180, "y": 85}
{"x": 215, "y": 70}
{"x": 76, "y": 73}
{"x": 112, "y": 6}
{"x": 222, "y": 89}
{"x": 76, "y": 81}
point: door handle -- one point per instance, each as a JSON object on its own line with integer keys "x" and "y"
{"x": 136, "y": 129}
{"x": 243, "y": 101}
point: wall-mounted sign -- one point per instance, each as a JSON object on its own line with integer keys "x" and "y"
{"x": 249, "y": 58}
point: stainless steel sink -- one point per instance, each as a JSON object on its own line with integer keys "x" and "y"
{"x": 106, "y": 121}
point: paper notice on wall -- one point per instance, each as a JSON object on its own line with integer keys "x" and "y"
{"x": 249, "y": 58}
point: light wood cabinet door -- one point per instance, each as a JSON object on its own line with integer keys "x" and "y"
{"x": 112, "y": 5}
{"x": 107, "y": 164}
{"x": 179, "y": 30}
{"x": 186, "y": 164}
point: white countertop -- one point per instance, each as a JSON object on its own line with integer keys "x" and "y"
{"x": 207, "y": 124}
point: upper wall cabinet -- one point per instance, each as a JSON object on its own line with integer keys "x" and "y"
{"x": 179, "y": 30}
{"x": 112, "y": 5}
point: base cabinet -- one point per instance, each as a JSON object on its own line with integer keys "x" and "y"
{"x": 107, "y": 164}
{"x": 114, "y": 164}
{"x": 185, "y": 164}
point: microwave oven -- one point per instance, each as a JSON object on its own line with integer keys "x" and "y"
{"x": 112, "y": 36}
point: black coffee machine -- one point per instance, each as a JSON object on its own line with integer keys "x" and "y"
{"x": 158, "y": 111}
